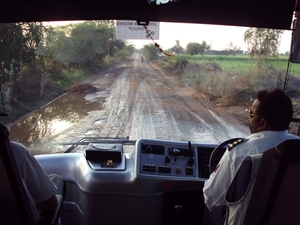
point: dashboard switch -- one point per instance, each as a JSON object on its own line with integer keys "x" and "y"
{"x": 189, "y": 171}
{"x": 178, "y": 170}
{"x": 191, "y": 161}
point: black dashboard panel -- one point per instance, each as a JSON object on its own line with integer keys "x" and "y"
{"x": 152, "y": 149}
{"x": 203, "y": 159}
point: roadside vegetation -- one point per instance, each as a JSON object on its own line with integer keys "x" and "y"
{"x": 231, "y": 82}
{"x": 231, "y": 78}
{"x": 39, "y": 63}
{"x": 217, "y": 75}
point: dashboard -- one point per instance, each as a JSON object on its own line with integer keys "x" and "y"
{"x": 161, "y": 183}
{"x": 163, "y": 158}
{"x": 154, "y": 158}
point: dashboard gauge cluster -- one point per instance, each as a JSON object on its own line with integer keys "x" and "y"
{"x": 166, "y": 158}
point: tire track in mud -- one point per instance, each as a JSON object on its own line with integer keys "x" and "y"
{"x": 157, "y": 122}
{"x": 116, "y": 106}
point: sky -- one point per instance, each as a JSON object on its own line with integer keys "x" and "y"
{"x": 218, "y": 37}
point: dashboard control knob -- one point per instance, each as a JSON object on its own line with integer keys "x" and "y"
{"x": 191, "y": 161}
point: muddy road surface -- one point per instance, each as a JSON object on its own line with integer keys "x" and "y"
{"x": 135, "y": 100}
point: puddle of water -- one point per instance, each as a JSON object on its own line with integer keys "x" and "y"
{"x": 54, "y": 118}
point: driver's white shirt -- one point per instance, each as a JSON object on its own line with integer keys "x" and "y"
{"x": 219, "y": 181}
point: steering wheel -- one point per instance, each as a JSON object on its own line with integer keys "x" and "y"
{"x": 217, "y": 154}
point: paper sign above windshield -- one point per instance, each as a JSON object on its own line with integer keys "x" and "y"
{"x": 129, "y": 29}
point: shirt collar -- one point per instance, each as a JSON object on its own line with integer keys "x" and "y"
{"x": 267, "y": 133}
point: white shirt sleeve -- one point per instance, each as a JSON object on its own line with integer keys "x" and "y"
{"x": 36, "y": 179}
{"x": 215, "y": 187}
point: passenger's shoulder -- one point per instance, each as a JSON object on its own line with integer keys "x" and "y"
{"x": 18, "y": 149}
{"x": 17, "y": 146}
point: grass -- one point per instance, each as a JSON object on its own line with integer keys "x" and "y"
{"x": 242, "y": 63}
{"x": 70, "y": 77}
{"x": 239, "y": 80}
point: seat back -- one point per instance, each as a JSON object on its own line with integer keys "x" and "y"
{"x": 239, "y": 192}
{"x": 14, "y": 205}
{"x": 275, "y": 197}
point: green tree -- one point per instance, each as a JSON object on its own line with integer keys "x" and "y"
{"x": 233, "y": 49}
{"x": 177, "y": 48}
{"x": 83, "y": 44}
{"x": 193, "y": 48}
{"x": 21, "y": 68}
{"x": 262, "y": 42}
{"x": 204, "y": 47}
{"x": 150, "y": 52}
{"x": 125, "y": 52}
{"x": 18, "y": 42}
{"x": 89, "y": 40}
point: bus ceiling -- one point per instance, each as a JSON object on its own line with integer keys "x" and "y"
{"x": 251, "y": 13}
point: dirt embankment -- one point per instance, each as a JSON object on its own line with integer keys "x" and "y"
{"x": 186, "y": 74}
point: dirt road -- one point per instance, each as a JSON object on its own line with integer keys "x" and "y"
{"x": 145, "y": 102}
{"x": 141, "y": 101}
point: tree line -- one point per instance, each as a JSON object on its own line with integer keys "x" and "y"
{"x": 261, "y": 43}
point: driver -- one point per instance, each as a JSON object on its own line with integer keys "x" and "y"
{"x": 269, "y": 119}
